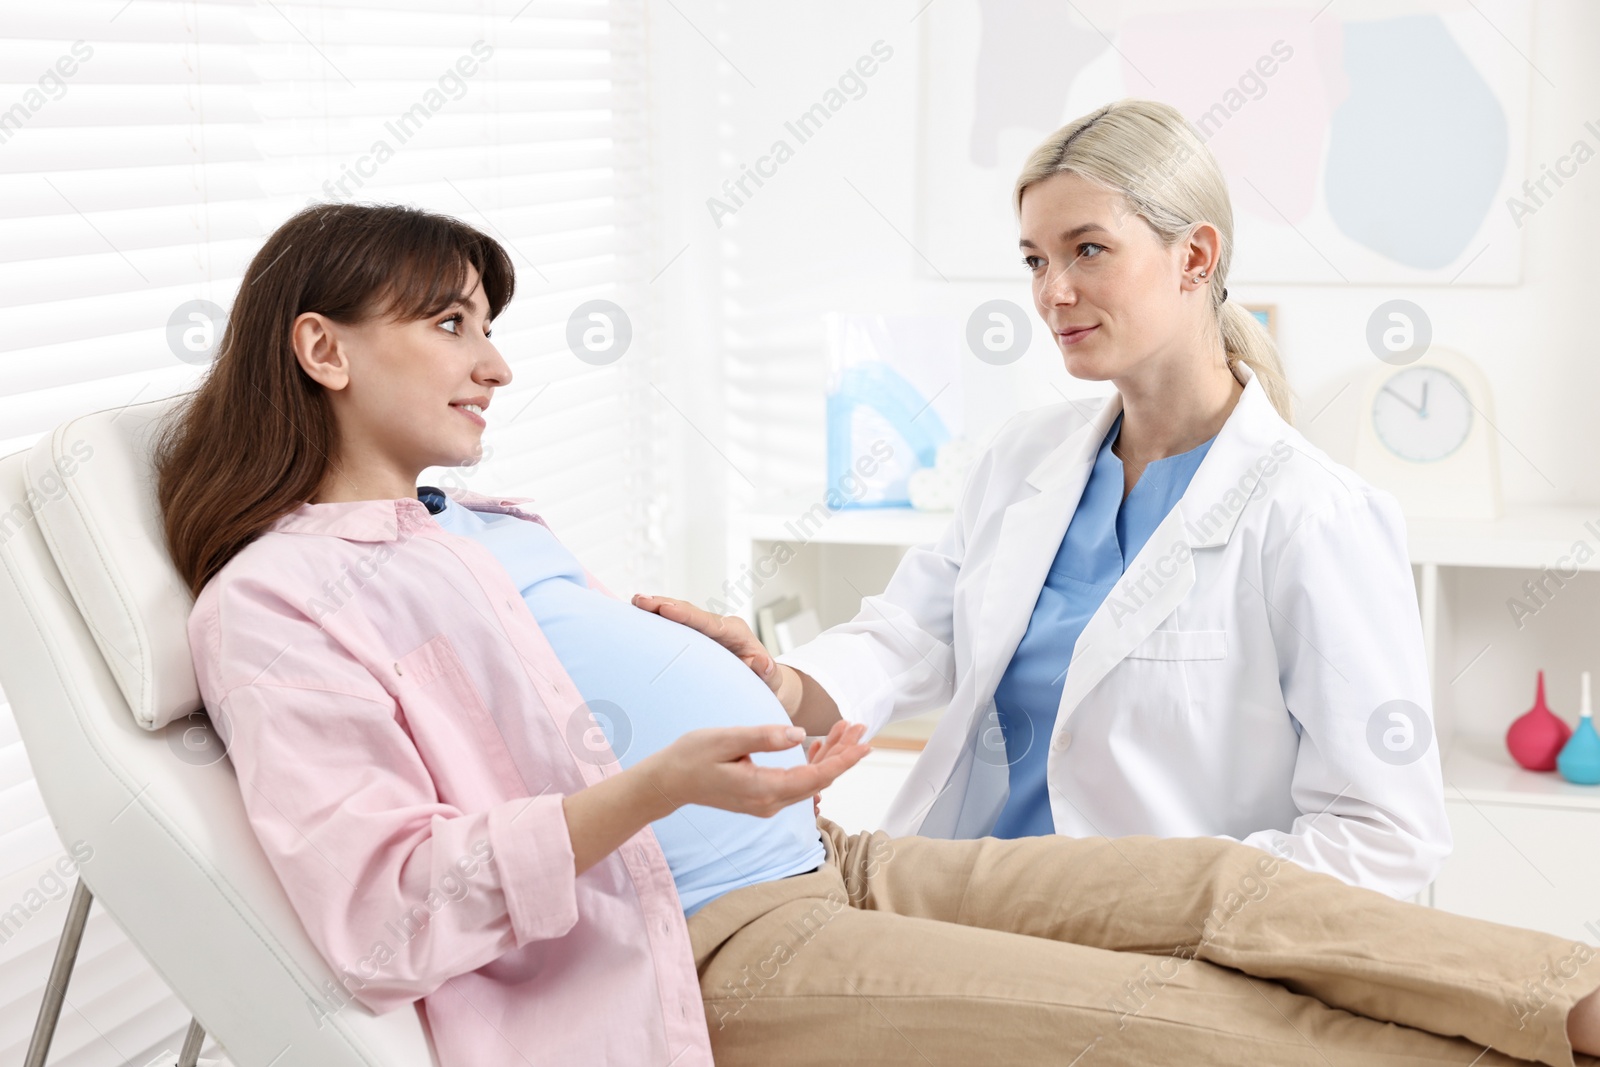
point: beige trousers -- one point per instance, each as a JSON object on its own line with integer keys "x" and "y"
{"x": 1137, "y": 950}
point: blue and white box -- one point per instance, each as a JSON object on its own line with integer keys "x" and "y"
{"x": 893, "y": 397}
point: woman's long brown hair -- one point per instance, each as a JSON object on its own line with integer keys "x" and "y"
{"x": 258, "y": 437}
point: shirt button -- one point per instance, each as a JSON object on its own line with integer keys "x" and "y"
{"x": 666, "y": 927}
{"x": 1063, "y": 741}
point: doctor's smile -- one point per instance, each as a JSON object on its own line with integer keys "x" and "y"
{"x": 1092, "y": 704}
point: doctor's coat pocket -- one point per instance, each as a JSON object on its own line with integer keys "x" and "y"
{"x": 1182, "y": 645}
{"x": 1171, "y": 680}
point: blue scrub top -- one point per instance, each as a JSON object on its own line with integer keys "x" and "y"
{"x": 1105, "y": 535}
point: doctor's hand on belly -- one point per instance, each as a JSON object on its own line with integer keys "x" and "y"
{"x": 806, "y": 702}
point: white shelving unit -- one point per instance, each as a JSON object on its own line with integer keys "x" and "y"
{"x": 1527, "y": 846}
{"x": 833, "y": 560}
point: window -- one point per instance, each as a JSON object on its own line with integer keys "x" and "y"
{"x": 146, "y": 150}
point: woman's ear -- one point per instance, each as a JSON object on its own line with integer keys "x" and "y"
{"x": 316, "y": 347}
{"x": 1202, "y": 252}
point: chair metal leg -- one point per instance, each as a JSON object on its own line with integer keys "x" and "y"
{"x": 191, "y": 1044}
{"x": 55, "y": 990}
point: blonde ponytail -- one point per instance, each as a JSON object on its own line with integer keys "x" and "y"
{"x": 1147, "y": 151}
{"x": 1247, "y": 341}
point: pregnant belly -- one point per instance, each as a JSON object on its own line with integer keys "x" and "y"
{"x": 647, "y": 681}
{"x": 654, "y": 678}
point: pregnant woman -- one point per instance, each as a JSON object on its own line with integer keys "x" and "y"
{"x": 581, "y": 833}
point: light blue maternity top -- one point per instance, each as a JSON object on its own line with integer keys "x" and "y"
{"x": 648, "y": 680}
{"x": 1105, "y": 534}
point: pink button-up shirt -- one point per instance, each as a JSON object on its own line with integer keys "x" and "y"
{"x": 372, "y": 677}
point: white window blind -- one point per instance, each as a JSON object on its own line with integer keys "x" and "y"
{"x": 148, "y": 148}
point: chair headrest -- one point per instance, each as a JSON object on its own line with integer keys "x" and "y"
{"x": 91, "y": 488}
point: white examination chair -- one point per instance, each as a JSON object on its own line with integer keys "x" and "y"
{"x": 94, "y": 657}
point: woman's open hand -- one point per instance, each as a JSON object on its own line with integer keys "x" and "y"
{"x": 839, "y": 735}
{"x": 712, "y": 767}
{"x": 733, "y": 634}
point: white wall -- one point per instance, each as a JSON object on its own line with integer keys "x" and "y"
{"x": 742, "y": 304}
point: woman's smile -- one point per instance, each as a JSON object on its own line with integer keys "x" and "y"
{"x": 472, "y": 409}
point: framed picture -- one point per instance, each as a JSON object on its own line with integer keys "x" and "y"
{"x": 1266, "y": 315}
{"x": 1339, "y": 128}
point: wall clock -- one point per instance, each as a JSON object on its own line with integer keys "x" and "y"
{"x": 1426, "y": 434}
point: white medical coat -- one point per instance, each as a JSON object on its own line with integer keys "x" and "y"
{"x": 1257, "y": 673}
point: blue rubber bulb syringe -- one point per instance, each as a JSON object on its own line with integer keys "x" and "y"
{"x": 1580, "y": 758}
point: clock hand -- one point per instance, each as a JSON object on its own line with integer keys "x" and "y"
{"x": 1423, "y": 410}
{"x": 1402, "y": 399}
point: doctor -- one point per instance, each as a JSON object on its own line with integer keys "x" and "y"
{"x": 1165, "y": 612}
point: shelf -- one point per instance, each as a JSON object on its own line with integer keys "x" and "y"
{"x": 1480, "y": 769}
{"x": 899, "y": 744}
{"x": 1533, "y": 538}
{"x": 909, "y": 734}
{"x": 900, "y": 527}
